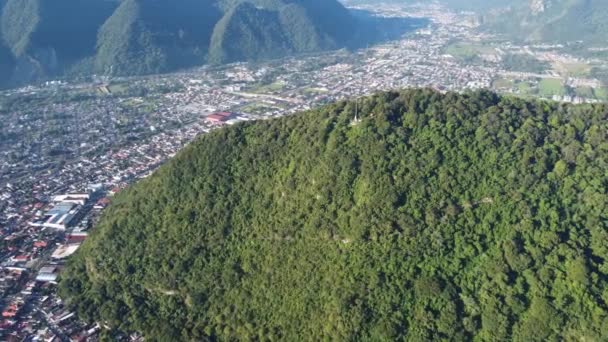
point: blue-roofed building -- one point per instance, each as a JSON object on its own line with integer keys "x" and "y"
{"x": 63, "y": 214}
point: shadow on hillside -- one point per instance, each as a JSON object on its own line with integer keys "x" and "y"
{"x": 373, "y": 29}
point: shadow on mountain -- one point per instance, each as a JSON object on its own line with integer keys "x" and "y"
{"x": 375, "y": 29}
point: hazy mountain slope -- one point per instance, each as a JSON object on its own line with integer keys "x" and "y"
{"x": 20, "y": 20}
{"x": 554, "y": 21}
{"x": 331, "y": 20}
{"x": 437, "y": 217}
{"x": 6, "y": 56}
{"x": 582, "y": 20}
{"x": 50, "y": 38}
{"x": 7, "y": 63}
{"x": 248, "y": 33}
{"x": 300, "y": 30}
{"x": 149, "y": 36}
{"x": 482, "y": 5}
{"x": 535, "y": 20}
{"x": 468, "y": 5}
{"x": 260, "y": 29}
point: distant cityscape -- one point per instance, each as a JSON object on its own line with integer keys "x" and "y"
{"x": 67, "y": 147}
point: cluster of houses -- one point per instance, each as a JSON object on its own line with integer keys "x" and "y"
{"x": 30, "y": 306}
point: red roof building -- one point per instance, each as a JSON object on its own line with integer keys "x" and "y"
{"x": 40, "y": 244}
{"x": 11, "y": 311}
{"x": 21, "y": 258}
{"x": 75, "y": 239}
{"x": 102, "y": 203}
{"x": 219, "y": 117}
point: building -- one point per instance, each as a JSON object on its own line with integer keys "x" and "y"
{"x": 219, "y": 118}
{"x": 12, "y": 310}
{"x": 64, "y": 251}
{"x": 48, "y": 274}
{"x": 64, "y": 213}
{"x": 76, "y": 238}
{"x": 60, "y": 216}
{"x": 79, "y": 199}
{"x": 94, "y": 189}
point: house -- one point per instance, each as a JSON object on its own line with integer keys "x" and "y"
{"x": 40, "y": 244}
{"x": 65, "y": 211}
{"x": 21, "y": 258}
{"x": 12, "y": 309}
{"x": 102, "y": 203}
{"x": 76, "y": 238}
{"x": 219, "y": 117}
{"x": 48, "y": 274}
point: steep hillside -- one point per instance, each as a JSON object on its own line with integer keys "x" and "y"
{"x": 144, "y": 36}
{"x": 248, "y": 33}
{"x": 6, "y": 56}
{"x": 47, "y": 37}
{"x": 259, "y": 29}
{"x": 7, "y": 63}
{"x": 50, "y": 38}
{"x": 331, "y": 19}
{"x": 436, "y": 217}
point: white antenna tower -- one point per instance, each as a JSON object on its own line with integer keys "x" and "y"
{"x": 356, "y": 120}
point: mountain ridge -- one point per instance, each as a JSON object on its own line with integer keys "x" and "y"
{"x": 132, "y": 37}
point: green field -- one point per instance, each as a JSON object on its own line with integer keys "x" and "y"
{"x": 259, "y": 108}
{"x": 314, "y": 91}
{"x": 117, "y": 88}
{"x": 525, "y": 88}
{"x": 269, "y": 88}
{"x": 467, "y": 51}
{"x": 502, "y": 83}
{"x": 601, "y": 94}
{"x": 573, "y": 69}
{"x": 551, "y": 86}
{"x": 586, "y": 92}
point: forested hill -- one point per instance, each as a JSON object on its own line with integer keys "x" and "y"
{"x": 434, "y": 217}
{"x": 48, "y": 38}
{"x": 144, "y": 36}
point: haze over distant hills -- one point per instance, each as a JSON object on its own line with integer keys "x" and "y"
{"x": 46, "y": 38}
{"x": 554, "y": 21}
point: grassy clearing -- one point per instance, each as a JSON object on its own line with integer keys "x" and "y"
{"x": 502, "y": 83}
{"x": 117, "y": 88}
{"x": 601, "y": 94}
{"x": 259, "y": 108}
{"x": 573, "y": 69}
{"x": 586, "y": 92}
{"x": 269, "y": 88}
{"x": 467, "y": 51}
{"x": 314, "y": 91}
{"x": 551, "y": 86}
{"x": 526, "y": 88}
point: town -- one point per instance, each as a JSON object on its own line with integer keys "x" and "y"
{"x": 67, "y": 147}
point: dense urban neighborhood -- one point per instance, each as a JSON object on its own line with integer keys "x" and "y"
{"x": 68, "y": 146}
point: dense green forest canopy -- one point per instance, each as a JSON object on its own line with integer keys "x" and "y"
{"x": 432, "y": 217}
